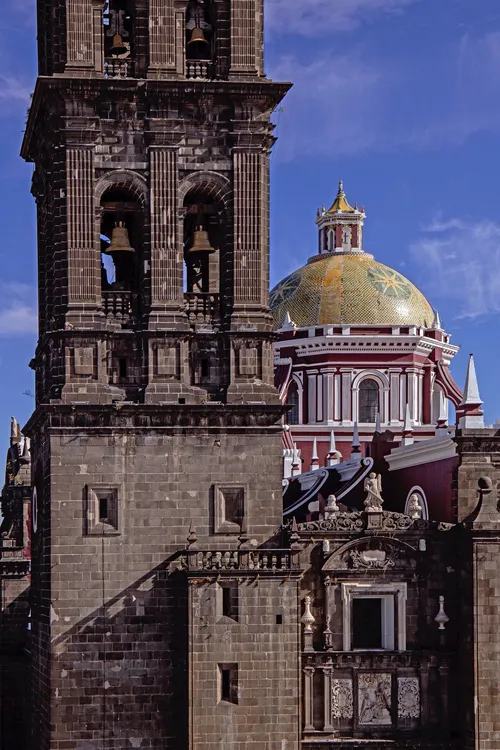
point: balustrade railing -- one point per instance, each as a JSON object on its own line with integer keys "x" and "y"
{"x": 120, "y": 305}
{"x": 202, "y": 309}
{"x": 258, "y": 560}
{"x": 201, "y": 69}
{"x": 115, "y": 67}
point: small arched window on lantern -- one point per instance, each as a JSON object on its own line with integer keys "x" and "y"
{"x": 331, "y": 240}
{"x": 368, "y": 400}
{"x": 293, "y": 402}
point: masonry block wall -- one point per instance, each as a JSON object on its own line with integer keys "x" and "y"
{"x": 477, "y": 501}
{"x": 156, "y": 407}
{"x": 258, "y": 646}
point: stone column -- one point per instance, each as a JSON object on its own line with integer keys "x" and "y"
{"x": 246, "y": 20}
{"x": 308, "y": 699}
{"x": 162, "y": 38}
{"x": 83, "y": 256}
{"x": 166, "y": 253}
{"x": 79, "y": 34}
{"x": 394, "y": 415}
{"x": 327, "y": 681}
{"x": 251, "y": 240}
{"x": 312, "y": 396}
{"x": 346, "y": 415}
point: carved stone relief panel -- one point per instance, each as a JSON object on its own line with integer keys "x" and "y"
{"x": 374, "y": 698}
{"x": 408, "y": 698}
{"x": 342, "y": 699}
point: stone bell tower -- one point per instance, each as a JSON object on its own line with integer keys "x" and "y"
{"x": 155, "y": 411}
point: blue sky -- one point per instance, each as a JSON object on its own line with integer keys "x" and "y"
{"x": 397, "y": 97}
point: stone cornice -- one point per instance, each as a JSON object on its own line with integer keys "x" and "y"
{"x": 139, "y": 417}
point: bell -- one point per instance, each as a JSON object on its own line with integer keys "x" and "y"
{"x": 197, "y": 36}
{"x": 120, "y": 242}
{"x": 201, "y": 242}
{"x": 118, "y": 47}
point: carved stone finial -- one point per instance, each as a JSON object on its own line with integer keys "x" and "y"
{"x": 415, "y": 507}
{"x": 308, "y": 618}
{"x": 373, "y": 488}
{"x": 331, "y": 508}
{"x": 294, "y": 536}
{"x": 441, "y": 618}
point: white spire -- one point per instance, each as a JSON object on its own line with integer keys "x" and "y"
{"x": 333, "y": 457}
{"x": 288, "y": 324}
{"x": 314, "y": 457}
{"x": 333, "y": 447}
{"x": 471, "y": 393}
{"x": 470, "y": 408}
{"x": 356, "y": 445}
{"x": 407, "y": 428}
{"x": 436, "y": 323}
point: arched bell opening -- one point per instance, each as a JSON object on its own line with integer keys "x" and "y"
{"x": 119, "y": 41}
{"x": 202, "y": 241}
{"x": 122, "y": 232}
{"x": 200, "y": 39}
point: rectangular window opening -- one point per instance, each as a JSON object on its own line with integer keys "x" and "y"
{"x": 103, "y": 510}
{"x": 205, "y": 369}
{"x": 230, "y": 601}
{"x": 122, "y": 368}
{"x": 367, "y": 623}
{"x": 279, "y": 619}
{"x": 228, "y": 683}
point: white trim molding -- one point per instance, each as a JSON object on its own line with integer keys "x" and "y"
{"x": 427, "y": 451}
{"x": 393, "y": 597}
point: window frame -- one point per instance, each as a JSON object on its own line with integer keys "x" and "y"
{"x": 395, "y": 595}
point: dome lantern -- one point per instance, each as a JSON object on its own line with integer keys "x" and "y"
{"x": 341, "y": 227}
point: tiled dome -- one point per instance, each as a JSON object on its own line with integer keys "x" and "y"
{"x": 349, "y": 288}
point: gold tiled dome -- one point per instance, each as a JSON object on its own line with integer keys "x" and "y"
{"x": 351, "y": 289}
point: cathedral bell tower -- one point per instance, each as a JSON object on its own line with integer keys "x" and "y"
{"x": 155, "y": 409}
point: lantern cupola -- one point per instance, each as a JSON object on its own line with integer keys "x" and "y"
{"x": 341, "y": 226}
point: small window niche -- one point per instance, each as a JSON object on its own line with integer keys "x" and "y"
{"x": 229, "y": 508}
{"x": 228, "y": 683}
{"x": 102, "y": 511}
{"x": 227, "y": 600}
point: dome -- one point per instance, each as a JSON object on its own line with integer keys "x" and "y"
{"x": 349, "y": 288}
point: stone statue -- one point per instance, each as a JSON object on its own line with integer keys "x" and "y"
{"x": 373, "y": 488}
{"x": 415, "y": 508}
{"x": 331, "y": 508}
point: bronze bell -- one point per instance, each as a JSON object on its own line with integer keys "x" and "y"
{"x": 120, "y": 242}
{"x": 201, "y": 242}
{"x": 197, "y": 36}
{"x": 118, "y": 47}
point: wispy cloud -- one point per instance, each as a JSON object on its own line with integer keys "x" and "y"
{"x": 14, "y": 94}
{"x": 459, "y": 261}
{"x": 330, "y": 107}
{"x": 347, "y": 101}
{"x": 18, "y": 315}
{"x": 314, "y": 17}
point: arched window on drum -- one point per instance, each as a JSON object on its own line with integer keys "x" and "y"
{"x": 368, "y": 400}
{"x": 293, "y": 401}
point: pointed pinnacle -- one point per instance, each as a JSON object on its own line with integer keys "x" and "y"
{"x": 471, "y": 392}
